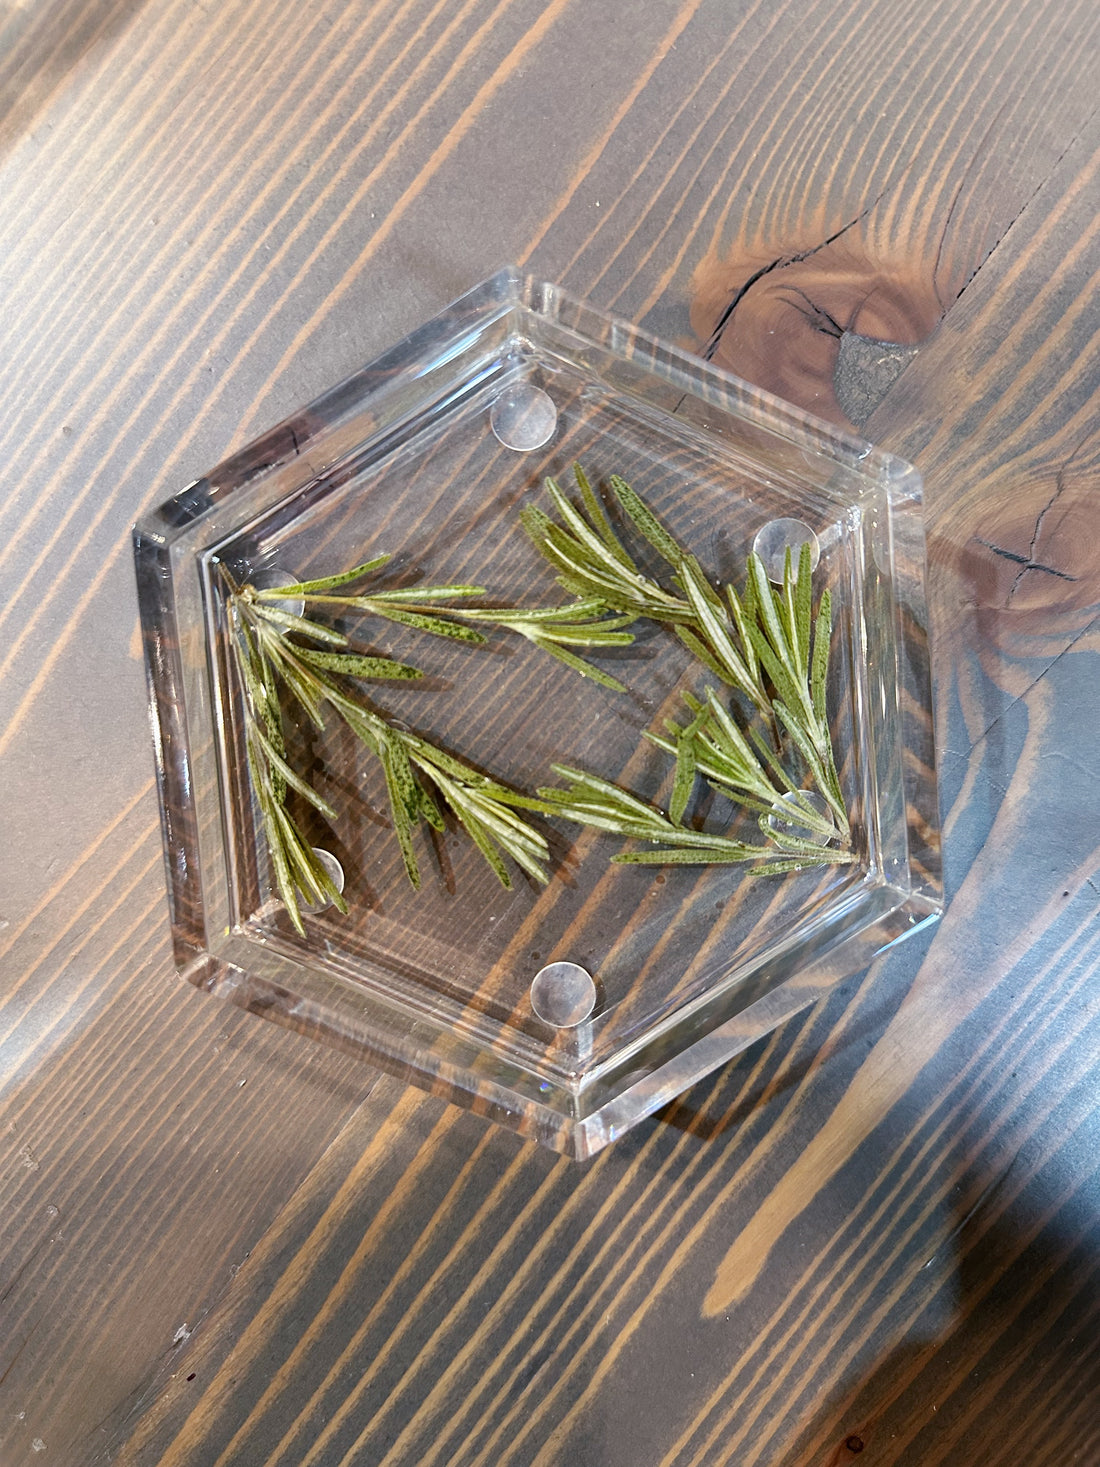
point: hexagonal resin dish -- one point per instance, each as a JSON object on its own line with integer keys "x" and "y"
{"x": 646, "y": 977}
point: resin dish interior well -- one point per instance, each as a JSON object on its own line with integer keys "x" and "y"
{"x": 568, "y": 1009}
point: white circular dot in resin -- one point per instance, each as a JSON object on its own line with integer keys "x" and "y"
{"x": 563, "y": 994}
{"x": 795, "y": 825}
{"x": 271, "y": 580}
{"x": 333, "y": 870}
{"x": 523, "y": 417}
{"x": 773, "y": 539}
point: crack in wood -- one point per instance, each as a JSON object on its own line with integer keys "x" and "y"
{"x": 780, "y": 263}
{"x": 1059, "y": 489}
{"x": 1026, "y": 562}
{"x": 1022, "y": 210}
{"x": 818, "y": 317}
{"x": 979, "y": 153}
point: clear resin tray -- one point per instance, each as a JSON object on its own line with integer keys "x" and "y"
{"x": 567, "y": 1010}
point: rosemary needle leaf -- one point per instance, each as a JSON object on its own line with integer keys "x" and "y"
{"x": 710, "y": 616}
{"x": 286, "y": 621}
{"x": 256, "y": 687}
{"x": 590, "y": 542}
{"x": 728, "y": 855}
{"x": 796, "y": 863}
{"x": 437, "y": 626}
{"x": 793, "y": 844}
{"x": 568, "y": 624}
{"x": 413, "y": 594}
{"x": 535, "y": 521}
{"x": 277, "y": 762}
{"x": 700, "y": 651}
{"x": 315, "y": 881}
{"x": 684, "y": 781}
{"x": 765, "y": 604}
{"x": 597, "y": 818}
{"x": 768, "y": 757}
{"x": 801, "y": 739}
{"x": 784, "y": 605}
{"x": 512, "y": 833}
{"x": 602, "y": 788}
{"x": 578, "y": 664}
{"x": 399, "y": 777}
{"x": 306, "y": 874}
{"x": 432, "y": 758}
{"x": 646, "y": 522}
{"x": 430, "y": 810}
{"x": 583, "y": 636}
{"x": 302, "y": 589}
{"x": 477, "y": 808}
{"x": 283, "y": 881}
{"x": 404, "y": 777}
{"x": 820, "y": 665}
{"x": 582, "y": 623}
{"x": 729, "y": 738}
{"x": 305, "y": 692}
{"x": 743, "y": 613}
{"x": 690, "y": 567}
{"x": 803, "y": 607}
{"x": 481, "y": 838}
{"x": 573, "y": 611}
{"x": 687, "y": 763}
{"x": 302, "y": 870}
{"x": 745, "y": 802}
{"x": 354, "y": 664}
{"x": 784, "y": 682}
{"x": 598, "y": 519}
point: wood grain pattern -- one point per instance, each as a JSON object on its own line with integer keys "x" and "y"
{"x": 875, "y": 1234}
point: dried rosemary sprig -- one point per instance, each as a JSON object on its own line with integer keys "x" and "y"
{"x": 593, "y": 563}
{"x": 595, "y": 802}
{"x": 269, "y": 653}
{"x": 557, "y": 628}
{"x": 554, "y": 629}
{"x": 589, "y": 800}
{"x": 768, "y": 645}
{"x": 742, "y": 768}
{"x": 781, "y": 636}
{"x": 411, "y": 606}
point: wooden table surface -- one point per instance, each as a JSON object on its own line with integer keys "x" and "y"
{"x": 875, "y": 1234}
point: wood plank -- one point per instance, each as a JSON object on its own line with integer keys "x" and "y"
{"x": 918, "y": 1189}
{"x": 838, "y": 171}
{"x": 42, "y": 45}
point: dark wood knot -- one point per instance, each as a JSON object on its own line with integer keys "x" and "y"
{"x": 828, "y": 327}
